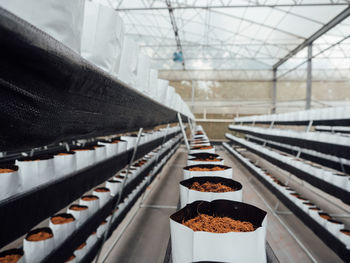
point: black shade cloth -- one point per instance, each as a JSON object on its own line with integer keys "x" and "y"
{"x": 49, "y": 93}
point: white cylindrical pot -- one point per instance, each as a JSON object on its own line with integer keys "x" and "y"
{"x": 193, "y": 246}
{"x": 28, "y": 173}
{"x": 340, "y": 180}
{"x": 209, "y": 193}
{"x": 114, "y": 186}
{"x": 80, "y": 213}
{"x": 207, "y": 170}
{"x": 100, "y": 153}
{"x": 323, "y": 218}
{"x": 334, "y": 227}
{"x": 62, "y": 226}
{"x": 92, "y": 201}
{"x": 65, "y": 163}
{"x": 38, "y": 244}
{"x": 91, "y": 240}
{"x": 102, "y": 37}
{"x": 81, "y": 251}
{"x": 104, "y": 194}
{"x": 46, "y": 169}
{"x": 10, "y": 183}
{"x": 131, "y": 141}
{"x": 63, "y": 20}
{"x": 313, "y": 212}
{"x": 111, "y": 148}
{"x": 102, "y": 228}
{"x": 85, "y": 157}
{"x": 344, "y": 236}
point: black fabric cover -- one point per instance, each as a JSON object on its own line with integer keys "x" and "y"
{"x": 48, "y": 93}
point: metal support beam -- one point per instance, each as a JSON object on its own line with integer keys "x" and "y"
{"x": 335, "y": 21}
{"x": 274, "y": 91}
{"x": 206, "y": 7}
{"x": 176, "y": 31}
{"x": 309, "y": 77}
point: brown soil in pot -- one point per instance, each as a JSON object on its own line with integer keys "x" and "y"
{"x": 81, "y": 246}
{"x": 71, "y": 258}
{"x": 202, "y": 148}
{"x": 211, "y": 187}
{"x": 13, "y": 258}
{"x": 103, "y": 222}
{"x": 101, "y": 190}
{"x": 308, "y": 204}
{"x": 89, "y": 198}
{"x": 59, "y": 220}
{"x": 346, "y": 232}
{"x": 207, "y": 160}
{"x": 81, "y": 150}
{"x": 204, "y": 169}
{"x": 78, "y": 207}
{"x": 4, "y": 171}
{"x": 63, "y": 154}
{"x": 325, "y": 216}
{"x": 42, "y": 235}
{"x": 213, "y": 224}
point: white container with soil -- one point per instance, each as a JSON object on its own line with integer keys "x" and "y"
{"x": 104, "y": 194}
{"x": 65, "y": 163}
{"x": 100, "y": 153}
{"x": 202, "y": 170}
{"x": 80, "y": 213}
{"x": 219, "y": 231}
{"x": 91, "y": 201}
{"x": 202, "y": 149}
{"x": 209, "y": 189}
{"x": 81, "y": 251}
{"x": 85, "y": 157}
{"x": 205, "y": 158}
{"x": 35, "y": 171}
{"x": 62, "y": 226}
{"x": 10, "y": 183}
{"x": 38, "y": 244}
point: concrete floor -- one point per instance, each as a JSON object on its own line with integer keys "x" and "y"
{"x": 145, "y": 239}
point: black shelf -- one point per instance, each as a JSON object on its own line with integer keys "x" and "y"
{"x": 314, "y": 181}
{"x": 331, "y": 241}
{"x": 342, "y": 151}
{"x": 50, "y": 94}
{"x": 44, "y": 201}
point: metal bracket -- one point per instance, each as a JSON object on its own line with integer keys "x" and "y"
{"x": 183, "y": 131}
{"x": 120, "y": 193}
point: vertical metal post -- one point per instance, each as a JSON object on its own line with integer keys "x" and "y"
{"x": 192, "y": 97}
{"x": 309, "y": 77}
{"x": 120, "y": 194}
{"x": 274, "y": 91}
{"x": 183, "y": 131}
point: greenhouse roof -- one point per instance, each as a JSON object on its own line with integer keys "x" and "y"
{"x": 238, "y": 34}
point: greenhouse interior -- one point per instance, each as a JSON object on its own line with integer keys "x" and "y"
{"x": 174, "y": 131}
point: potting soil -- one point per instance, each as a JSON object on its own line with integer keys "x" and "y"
{"x": 57, "y": 220}
{"x": 4, "y": 170}
{"x": 42, "y": 235}
{"x": 201, "y": 169}
{"x": 213, "y": 224}
{"x": 211, "y": 187}
{"x": 10, "y": 258}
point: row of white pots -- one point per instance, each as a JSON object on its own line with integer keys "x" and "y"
{"x": 35, "y": 251}
{"x": 335, "y": 227}
{"x": 307, "y": 151}
{"x": 29, "y": 172}
{"x": 96, "y": 32}
{"x": 332, "y": 113}
{"x": 312, "y": 137}
{"x": 338, "y": 179}
{"x": 193, "y": 246}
